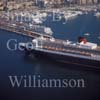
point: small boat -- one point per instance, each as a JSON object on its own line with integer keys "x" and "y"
{"x": 87, "y": 34}
{"x": 97, "y": 14}
{"x": 37, "y": 21}
{"x": 99, "y": 37}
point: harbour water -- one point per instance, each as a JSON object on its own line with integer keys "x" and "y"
{"x": 14, "y": 63}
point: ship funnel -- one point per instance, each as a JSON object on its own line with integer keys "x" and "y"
{"x": 82, "y": 40}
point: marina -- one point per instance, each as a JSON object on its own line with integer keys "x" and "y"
{"x": 30, "y": 23}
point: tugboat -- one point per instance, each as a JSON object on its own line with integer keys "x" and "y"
{"x": 82, "y": 53}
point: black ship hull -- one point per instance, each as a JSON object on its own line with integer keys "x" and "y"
{"x": 66, "y": 59}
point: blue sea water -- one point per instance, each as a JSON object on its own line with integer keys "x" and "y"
{"x": 16, "y": 63}
{"x": 77, "y": 27}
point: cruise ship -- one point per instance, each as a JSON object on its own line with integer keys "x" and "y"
{"x": 82, "y": 52}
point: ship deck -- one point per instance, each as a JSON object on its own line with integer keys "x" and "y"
{"x": 61, "y": 46}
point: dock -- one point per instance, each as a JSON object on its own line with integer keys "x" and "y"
{"x": 9, "y": 27}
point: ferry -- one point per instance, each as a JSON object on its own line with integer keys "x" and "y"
{"x": 82, "y": 52}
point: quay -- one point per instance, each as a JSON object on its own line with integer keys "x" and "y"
{"x": 8, "y": 27}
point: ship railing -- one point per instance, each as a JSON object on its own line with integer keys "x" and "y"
{"x": 60, "y": 48}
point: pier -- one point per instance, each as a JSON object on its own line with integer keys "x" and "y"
{"x": 8, "y": 27}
